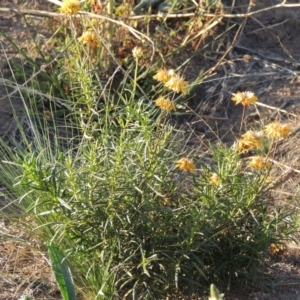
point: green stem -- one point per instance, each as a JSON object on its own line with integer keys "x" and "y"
{"x": 111, "y": 28}
{"x": 135, "y": 77}
{"x": 242, "y": 121}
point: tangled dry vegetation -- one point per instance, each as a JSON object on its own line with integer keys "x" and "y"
{"x": 151, "y": 155}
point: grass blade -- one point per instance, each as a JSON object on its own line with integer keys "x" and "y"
{"x": 62, "y": 272}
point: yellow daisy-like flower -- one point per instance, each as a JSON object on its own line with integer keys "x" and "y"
{"x": 185, "y": 164}
{"x": 214, "y": 179}
{"x": 163, "y": 75}
{"x": 245, "y": 98}
{"x": 177, "y": 84}
{"x": 259, "y": 163}
{"x": 165, "y": 104}
{"x": 90, "y": 38}
{"x": 70, "y": 7}
{"x": 277, "y": 130}
{"x": 249, "y": 141}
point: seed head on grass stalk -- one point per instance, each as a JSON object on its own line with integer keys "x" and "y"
{"x": 137, "y": 52}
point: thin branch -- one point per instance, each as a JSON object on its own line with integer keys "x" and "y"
{"x": 275, "y": 108}
{"x": 288, "y": 168}
{"x": 141, "y": 17}
{"x": 246, "y": 15}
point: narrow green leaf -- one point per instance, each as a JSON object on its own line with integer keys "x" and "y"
{"x": 62, "y": 272}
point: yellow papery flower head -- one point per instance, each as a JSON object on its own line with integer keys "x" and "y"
{"x": 177, "y": 84}
{"x": 91, "y": 39}
{"x": 165, "y": 104}
{"x": 185, "y": 164}
{"x": 249, "y": 141}
{"x": 70, "y": 7}
{"x": 277, "y": 249}
{"x": 259, "y": 163}
{"x": 163, "y": 75}
{"x": 214, "y": 179}
{"x": 245, "y": 98}
{"x": 277, "y": 130}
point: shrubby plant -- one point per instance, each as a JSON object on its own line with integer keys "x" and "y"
{"x": 106, "y": 182}
{"x": 117, "y": 205}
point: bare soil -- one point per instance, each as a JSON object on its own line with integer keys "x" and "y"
{"x": 271, "y": 69}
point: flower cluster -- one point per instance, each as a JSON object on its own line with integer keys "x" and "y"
{"x": 245, "y": 98}
{"x": 185, "y": 164}
{"x": 163, "y": 75}
{"x": 214, "y": 179}
{"x": 165, "y": 103}
{"x": 70, "y": 7}
{"x": 277, "y": 249}
{"x": 90, "y": 39}
{"x": 172, "y": 81}
{"x": 259, "y": 163}
{"x": 277, "y": 130}
{"x": 177, "y": 84}
{"x": 249, "y": 141}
